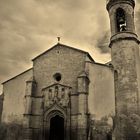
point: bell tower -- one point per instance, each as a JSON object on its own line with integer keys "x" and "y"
{"x": 124, "y": 46}
{"x": 121, "y": 14}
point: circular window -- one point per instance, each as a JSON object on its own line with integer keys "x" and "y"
{"x": 57, "y": 77}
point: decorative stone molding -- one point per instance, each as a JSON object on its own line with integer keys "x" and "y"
{"x": 56, "y": 94}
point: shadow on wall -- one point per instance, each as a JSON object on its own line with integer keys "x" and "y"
{"x": 1, "y": 105}
{"x": 11, "y": 131}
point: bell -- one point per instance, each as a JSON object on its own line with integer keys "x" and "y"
{"x": 121, "y": 20}
{"x": 123, "y": 28}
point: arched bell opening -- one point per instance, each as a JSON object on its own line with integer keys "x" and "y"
{"x": 121, "y": 20}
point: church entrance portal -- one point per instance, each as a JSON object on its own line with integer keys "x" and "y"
{"x": 56, "y": 128}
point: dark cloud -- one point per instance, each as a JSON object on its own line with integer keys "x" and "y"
{"x": 103, "y": 42}
{"x": 29, "y": 27}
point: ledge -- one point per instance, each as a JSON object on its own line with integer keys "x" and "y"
{"x": 110, "y": 3}
{"x": 124, "y": 38}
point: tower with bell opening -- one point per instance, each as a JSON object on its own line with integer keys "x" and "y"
{"x": 124, "y": 46}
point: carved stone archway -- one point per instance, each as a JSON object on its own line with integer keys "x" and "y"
{"x": 48, "y": 116}
{"x": 56, "y": 102}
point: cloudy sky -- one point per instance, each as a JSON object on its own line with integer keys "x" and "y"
{"x": 29, "y": 27}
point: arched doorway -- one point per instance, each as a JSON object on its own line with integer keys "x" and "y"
{"x": 56, "y": 128}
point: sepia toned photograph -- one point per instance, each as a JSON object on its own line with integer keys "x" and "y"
{"x": 69, "y": 70}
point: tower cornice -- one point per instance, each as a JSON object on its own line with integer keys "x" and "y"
{"x": 123, "y": 38}
{"x": 110, "y": 3}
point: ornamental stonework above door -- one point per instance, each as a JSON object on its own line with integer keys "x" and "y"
{"x": 56, "y": 94}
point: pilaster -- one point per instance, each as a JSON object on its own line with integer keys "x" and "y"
{"x": 29, "y": 93}
{"x": 83, "y": 83}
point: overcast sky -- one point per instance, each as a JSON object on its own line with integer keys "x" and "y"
{"x": 29, "y": 27}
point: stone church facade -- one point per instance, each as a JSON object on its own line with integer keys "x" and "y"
{"x": 66, "y": 91}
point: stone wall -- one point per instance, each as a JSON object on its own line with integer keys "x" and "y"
{"x": 14, "y": 98}
{"x": 101, "y": 99}
{"x": 68, "y": 62}
{"x": 125, "y": 62}
{"x": 1, "y": 105}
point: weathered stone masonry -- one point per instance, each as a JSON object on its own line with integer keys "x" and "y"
{"x": 66, "y": 95}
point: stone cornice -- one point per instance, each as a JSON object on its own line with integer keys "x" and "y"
{"x": 30, "y": 114}
{"x": 123, "y": 38}
{"x": 110, "y": 3}
{"x": 33, "y": 96}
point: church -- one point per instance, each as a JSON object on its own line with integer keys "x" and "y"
{"x": 66, "y": 95}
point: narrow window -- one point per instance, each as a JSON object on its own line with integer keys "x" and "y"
{"x": 121, "y": 20}
{"x": 115, "y": 75}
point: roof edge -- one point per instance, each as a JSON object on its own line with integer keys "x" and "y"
{"x": 16, "y": 76}
{"x": 97, "y": 63}
{"x": 63, "y": 46}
